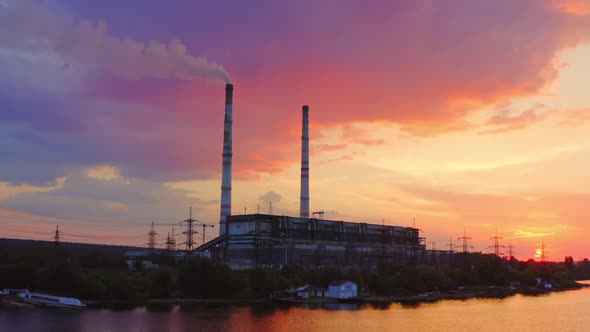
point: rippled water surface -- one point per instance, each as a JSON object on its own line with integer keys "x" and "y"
{"x": 564, "y": 311}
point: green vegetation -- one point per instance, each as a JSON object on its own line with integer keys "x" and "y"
{"x": 106, "y": 277}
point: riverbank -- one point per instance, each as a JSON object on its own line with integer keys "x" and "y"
{"x": 562, "y": 311}
{"x": 481, "y": 292}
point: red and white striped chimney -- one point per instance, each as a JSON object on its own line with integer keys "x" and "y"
{"x": 304, "y": 199}
{"x": 225, "y": 210}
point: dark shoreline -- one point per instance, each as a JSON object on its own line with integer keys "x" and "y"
{"x": 414, "y": 299}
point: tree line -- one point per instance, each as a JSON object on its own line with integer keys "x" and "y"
{"x": 106, "y": 277}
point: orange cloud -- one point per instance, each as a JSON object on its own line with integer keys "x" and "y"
{"x": 503, "y": 121}
{"x": 574, "y": 7}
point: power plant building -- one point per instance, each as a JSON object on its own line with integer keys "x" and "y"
{"x": 246, "y": 241}
{"x": 276, "y": 241}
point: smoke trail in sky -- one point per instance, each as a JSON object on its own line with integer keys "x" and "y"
{"x": 29, "y": 26}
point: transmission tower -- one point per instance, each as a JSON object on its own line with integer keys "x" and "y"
{"x": 451, "y": 245}
{"x": 168, "y": 242}
{"x": 171, "y": 242}
{"x": 497, "y": 245}
{"x": 465, "y": 240}
{"x": 511, "y": 251}
{"x": 152, "y": 238}
{"x": 544, "y": 252}
{"x": 189, "y": 231}
{"x": 57, "y": 236}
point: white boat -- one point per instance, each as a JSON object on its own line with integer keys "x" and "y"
{"x": 46, "y": 300}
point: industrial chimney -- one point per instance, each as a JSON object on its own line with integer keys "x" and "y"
{"x": 304, "y": 199}
{"x": 227, "y": 157}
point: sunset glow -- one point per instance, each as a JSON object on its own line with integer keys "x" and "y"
{"x": 470, "y": 114}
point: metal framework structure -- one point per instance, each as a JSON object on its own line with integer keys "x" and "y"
{"x": 511, "y": 250}
{"x": 451, "y": 245}
{"x": 171, "y": 242}
{"x": 271, "y": 240}
{"x": 152, "y": 237}
{"x": 465, "y": 241}
{"x": 497, "y": 244}
{"x": 189, "y": 242}
{"x": 56, "y": 236}
{"x": 544, "y": 252}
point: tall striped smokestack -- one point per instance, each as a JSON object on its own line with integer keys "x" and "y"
{"x": 304, "y": 199}
{"x": 227, "y": 157}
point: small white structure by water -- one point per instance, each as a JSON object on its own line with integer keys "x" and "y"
{"x": 342, "y": 289}
{"x": 23, "y": 296}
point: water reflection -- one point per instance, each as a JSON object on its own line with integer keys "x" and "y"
{"x": 565, "y": 311}
{"x": 160, "y": 307}
{"x": 377, "y": 306}
{"x": 341, "y": 306}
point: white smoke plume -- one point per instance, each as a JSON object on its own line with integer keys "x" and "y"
{"x": 31, "y": 27}
{"x": 270, "y": 196}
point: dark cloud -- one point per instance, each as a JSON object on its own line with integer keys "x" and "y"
{"x": 119, "y": 198}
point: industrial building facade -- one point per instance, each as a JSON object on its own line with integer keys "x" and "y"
{"x": 276, "y": 241}
{"x": 247, "y": 241}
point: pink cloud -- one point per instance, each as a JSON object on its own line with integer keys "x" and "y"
{"x": 424, "y": 65}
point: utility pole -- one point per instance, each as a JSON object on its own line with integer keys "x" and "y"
{"x": 544, "y": 252}
{"x": 56, "y": 237}
{"x": 511, "y": 251}
{"x": 189, "y": 232}
{"x": 451, "y": 245}
{"x": 465, "y": 240}
{"x": 496, "y": 245}
{"x": 433, "y": 259}
{"x": 152, "y": 238}
{"x": 171, "y": 242}
{"x": 168, "y": 243}
{"x": 205, "y": 227}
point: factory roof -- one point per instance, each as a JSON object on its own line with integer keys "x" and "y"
{"x": 340, "y": 282}
{"x": 273, "y": 218}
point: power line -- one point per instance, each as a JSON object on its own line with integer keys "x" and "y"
{"x": 87, "y": 219}
{"x": 113, "y": 237}
{"x": 451, "y": 245}
{"x": 511, "y": 251}
{"x": 65, "y": 234}
{"x": 433, "y": 245}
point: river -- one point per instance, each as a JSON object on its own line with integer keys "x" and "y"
{"x": 559, "y": 311}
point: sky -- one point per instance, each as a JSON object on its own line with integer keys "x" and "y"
{"x": 454, "y": 116}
